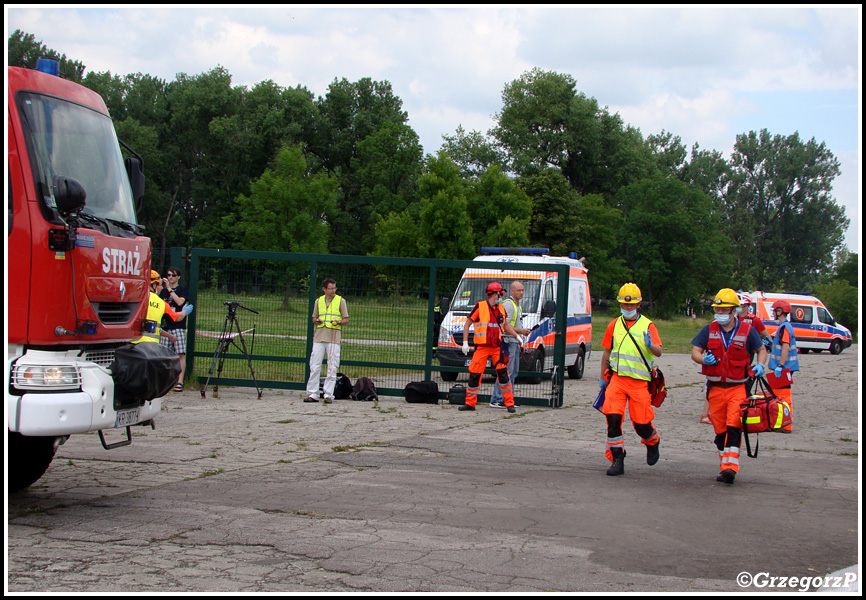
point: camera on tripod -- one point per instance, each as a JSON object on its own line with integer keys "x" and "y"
{"x": 230, "y": 336}
{"x": 233, "y": 307}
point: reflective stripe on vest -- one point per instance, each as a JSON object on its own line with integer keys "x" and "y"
{"x": 625, "y": 355}
{"x": 793, "y": 362}
{"x": 326, "y": 313}
{"x": 487, "y": 320}
{"x": 733, "y": 361}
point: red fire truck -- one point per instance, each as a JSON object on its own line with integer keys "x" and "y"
{"x": 77, "y": 274}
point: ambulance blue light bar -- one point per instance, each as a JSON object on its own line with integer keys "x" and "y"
{"x": 524, "y": 251}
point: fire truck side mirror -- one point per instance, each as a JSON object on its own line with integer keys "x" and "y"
{"x": 69, "y": 195}
{"x": 136, "y": 177}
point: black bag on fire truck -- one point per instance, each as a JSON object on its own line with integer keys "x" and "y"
{"x": 144, "y": 371}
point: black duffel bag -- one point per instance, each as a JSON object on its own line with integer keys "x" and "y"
{"x": 144, "y": 371}
{"x": 422, "y": 392}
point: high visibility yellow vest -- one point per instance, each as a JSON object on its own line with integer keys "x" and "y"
{"x": 625, "y": 355}
{"x": 331, "y": 312}
{"x": 155, "y": 310}
{"x": 517, "y": 312}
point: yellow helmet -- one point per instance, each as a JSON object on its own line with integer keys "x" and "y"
{"x": 154, "y": 276}
{"x": 726, "y": 297}
{"x": 629, "y": 294}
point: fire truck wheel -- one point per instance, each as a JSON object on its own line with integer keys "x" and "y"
{"x": 28, "y": 459}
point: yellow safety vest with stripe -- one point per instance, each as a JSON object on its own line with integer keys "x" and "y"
{"x": 155, "y": 310}
{"x": 330, "y": 312}
{"x": 625, "y": 355}
{"x": 517, "y": 312}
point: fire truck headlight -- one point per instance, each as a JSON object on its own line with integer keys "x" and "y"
{"x": 46, "y": 376}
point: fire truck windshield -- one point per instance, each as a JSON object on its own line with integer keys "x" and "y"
{"x": 71, "y": 140}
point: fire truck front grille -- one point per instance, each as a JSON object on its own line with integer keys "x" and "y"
{"x": 103, "y": 358}
{"x": 115, "y": 313}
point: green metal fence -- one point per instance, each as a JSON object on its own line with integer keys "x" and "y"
{"x": 390, "y": 337}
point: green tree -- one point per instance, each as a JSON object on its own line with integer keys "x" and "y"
{"x": 349, "y": 114}
{"x": 545, "y": 122}
{"x": 446, "y": 229}
{"x": 564, "y": 221}
{"x": 671, "y": 242}
{"x": 499, "y": 209}
{"x": 287, "y": 209}
{"x": 473, "y": 152}
{"x": 779, "y": 210}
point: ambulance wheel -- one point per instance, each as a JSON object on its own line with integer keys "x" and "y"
{"x": 835, "y": 347}
{"x": 537, "y": 366}
{"x": 28, "y": 459}
{"x": 802, "y": 351}
{"x": 448, "y": 376}
{"x": 575, "y": 371}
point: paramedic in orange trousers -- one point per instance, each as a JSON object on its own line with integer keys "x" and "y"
{"x": 745, "y": 315}
{"x": 724, "y": 349}
{"x": 631, "y": 342}
{"x": 488, "y": 316}
{"x": 783, "y": 355}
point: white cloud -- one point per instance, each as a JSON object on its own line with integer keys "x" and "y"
{"x": 686, "y": 70}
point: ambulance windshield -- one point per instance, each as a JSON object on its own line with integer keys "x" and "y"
{"x": 472, "y": 290}
{"x": 70, "y": 140}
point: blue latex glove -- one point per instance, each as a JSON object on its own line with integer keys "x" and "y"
{"x": 759, "y": 370}
{"x": 778, "y": 371}
{"x": 187, "y": 308}
{"x": 768, "y": 344}
{"x": 602, "y": 383}
{"x": 710, "y": 359}
{"x": 647, "y": 339}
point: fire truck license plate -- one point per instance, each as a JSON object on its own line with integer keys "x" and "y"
{"x": 127, "y": 417}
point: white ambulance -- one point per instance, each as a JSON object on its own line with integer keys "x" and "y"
{"x": 538, "y": 306}
{"x": 814, "y": 327}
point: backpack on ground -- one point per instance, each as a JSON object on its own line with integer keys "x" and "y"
{"x": 343, "y": 387}
{"x": 422, "y": 392}
{"x": 364, "y": 390}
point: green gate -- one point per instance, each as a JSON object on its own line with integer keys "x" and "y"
{"x": 390, "y": 336}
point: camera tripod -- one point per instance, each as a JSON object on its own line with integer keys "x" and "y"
{"x": 226, "y": 339}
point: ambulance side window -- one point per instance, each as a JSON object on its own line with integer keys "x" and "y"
{"x": 825, "y": 316}
{"x": 801, "y": 314}
{"x": 548, "y": 292}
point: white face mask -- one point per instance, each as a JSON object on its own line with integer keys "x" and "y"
{"x": 723, "y": 319}
{"x": 628, "y": 314}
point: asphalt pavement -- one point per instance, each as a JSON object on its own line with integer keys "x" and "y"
{"x": 235, "y": 494}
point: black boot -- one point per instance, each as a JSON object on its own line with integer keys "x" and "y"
{"x": 652, "y": 454}
{"x": 727, "y": 476}
{"x": 618, "y": 466}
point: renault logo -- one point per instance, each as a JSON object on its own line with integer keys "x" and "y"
{"x": 122, "y": 291}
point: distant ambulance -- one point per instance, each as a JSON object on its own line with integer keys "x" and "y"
{"x": 538, "y": 306}
{"x": 814, "y": 326}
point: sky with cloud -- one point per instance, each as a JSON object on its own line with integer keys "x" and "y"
{"x": 705, "y": 74}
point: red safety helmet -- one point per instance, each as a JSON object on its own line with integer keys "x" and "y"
{"x": 783, "y": 304}
{"x": 494, "y": 288}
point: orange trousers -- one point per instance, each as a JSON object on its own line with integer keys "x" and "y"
{"x": 724, "y": 414}
{"x": 634, "y": 392}
{"x": 476, "y": 369}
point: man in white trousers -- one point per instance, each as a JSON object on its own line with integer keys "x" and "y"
{"x": 329, "y": 316}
